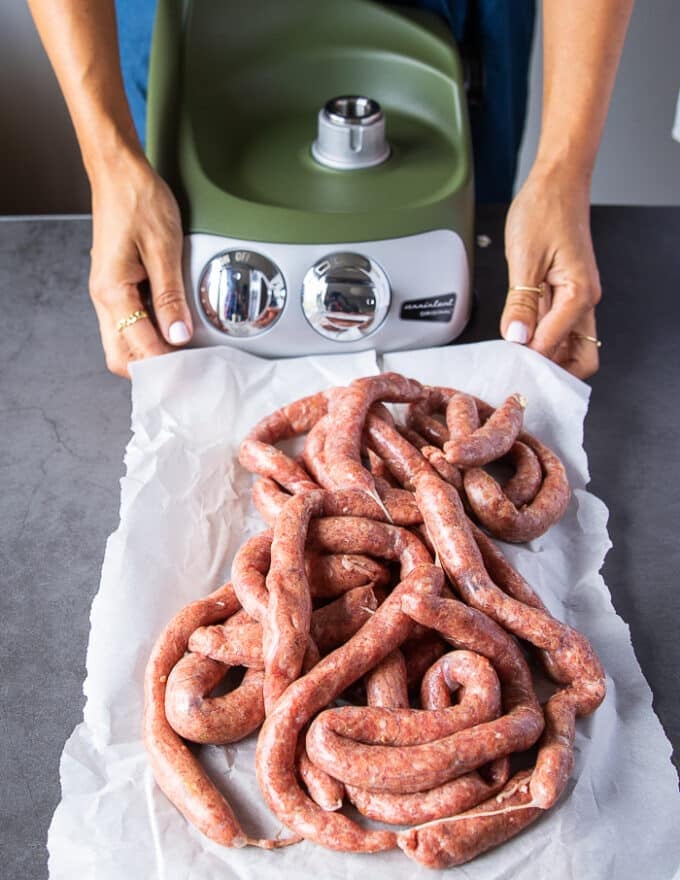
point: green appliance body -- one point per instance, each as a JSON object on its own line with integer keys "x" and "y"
{"x": 320, "y": 154}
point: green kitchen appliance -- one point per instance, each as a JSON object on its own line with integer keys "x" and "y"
{"x": 320, "y": 154}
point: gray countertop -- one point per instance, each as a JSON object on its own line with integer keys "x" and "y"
{"x": 65, "y": 423}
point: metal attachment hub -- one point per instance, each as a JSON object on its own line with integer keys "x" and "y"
{"x": 351, "y": 134}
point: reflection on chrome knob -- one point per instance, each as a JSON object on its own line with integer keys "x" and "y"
{"x": 242, "y": 293}
{"x": 345, "y": 296}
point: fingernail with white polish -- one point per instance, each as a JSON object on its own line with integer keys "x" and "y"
{"x": 178, "y": 333}
{"x": 517, "y": 332}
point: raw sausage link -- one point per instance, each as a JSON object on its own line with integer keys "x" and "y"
{"x": 500, "y": 516}
{"x": 248, "y": 572}
{"x": 436, "y": 685}
{"x": 470, "y": 629}
{"x": 444, "y": 468}
{"x": 323, "y": 789}
{"x": 386, "y": 684}
{"x": 329, "y": 574}
{"x": 336, "y": 622}
{"x": 275, "y": 758}
{"x": 269, "y": 499}
{"x": 348, "y": 408}
{"x": 399, "y": 505}
{"x": 413, "y": 437}
{"x": 423, "y": 806}
{"x": 434, "y": 455}
{"x": 419, "y": 415}
{"x": 339, "y": 534}
{"x": 286, "y": 624}
{"x": 452, "y": 536}
{"x": 313, "y": 454}
{"x": 259, "y": 455}
{"x": 420, "y": 654}
{"x": 232, "y": 644}
{"x": 462, "y": 418}
{"x": 411, "y": 727}
{"x": 472, "y": 448}
{"x": 177, "y": 772}
{"x": 523, "y": 485}
{"x": 203, "y": 719}
{"x": 571, "y": 656}
{"x": 435, "y": 399}
{"x": 490, "y": 504}
{"x": 575, "y": 663}
{"x": 402, "y": 459}
{"x": 332, "y": 574}
{"x": 241, "y": 645}
{"x": 379, "y": 472}
{"x": 567, "y": 654}
{"x": 453, "y": 842}
{"x": 502, "y": 572}
{"x": 396, "y": 504}
{"x": 435, "y": 746}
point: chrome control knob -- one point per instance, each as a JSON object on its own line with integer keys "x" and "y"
{"x": 345, "y": 296}
{"x": 241, "y": 293}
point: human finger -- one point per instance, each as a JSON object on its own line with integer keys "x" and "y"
{"x": 528, "y": 264}
{"x": 580, "y": 353}
{"x": 163, "y": 264}
{"x": 571, "y": 302}
{"x": 128, "y": 333}
{"x": 521, "y": 311}
{"x": 116, "y": 352}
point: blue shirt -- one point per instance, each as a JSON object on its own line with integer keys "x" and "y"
{"x": 505, "y": 30}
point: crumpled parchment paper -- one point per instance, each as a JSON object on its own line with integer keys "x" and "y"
{"x": 184, "y": 513}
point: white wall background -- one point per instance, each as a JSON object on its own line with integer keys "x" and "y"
{"x": 639, "y": 163}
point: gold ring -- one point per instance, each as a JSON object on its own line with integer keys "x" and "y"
{"x": 528, "y": 288}
{"x": 597, "y": 342}
{"x": 131, "y": 319}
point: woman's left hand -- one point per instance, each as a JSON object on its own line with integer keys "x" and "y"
{"x": 548, "y": 244}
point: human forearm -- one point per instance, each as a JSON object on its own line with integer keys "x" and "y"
{"x": 583, "y": 40}
{"x": 81, "y": 41}
{"x": 136, "y": 228}
{"x": 547, "y": 234}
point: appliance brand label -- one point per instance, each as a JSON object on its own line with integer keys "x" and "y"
{"x": 434, "y": 308}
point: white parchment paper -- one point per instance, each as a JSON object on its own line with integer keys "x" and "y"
{"x": 185, "y": 511}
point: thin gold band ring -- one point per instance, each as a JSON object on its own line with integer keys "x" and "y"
{"x": 131, "y": 319}
{"x": 597, "y": 342}
{"x": 528, "y": 288}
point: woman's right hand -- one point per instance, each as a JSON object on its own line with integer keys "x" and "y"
{"x": 137, "y": 237}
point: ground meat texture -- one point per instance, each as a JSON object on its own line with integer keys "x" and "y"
{"x": 472, "y": 447}
{"x": 523, "y": 485}
{"x": 359, "y": 746}
{"x": 259, "y": 455}
{"x": 387, "y": 683}
{"x": 275, "y": 760}
{"x": 459, "y": 839}
{"x": 177, "y": 772}
{"x": 288, "y": 615}
{"x": 348, "y": 408}
{"x": 498, "y": 514}
{"x": 196, "y": 716}
{"x": 445, "y": 800}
